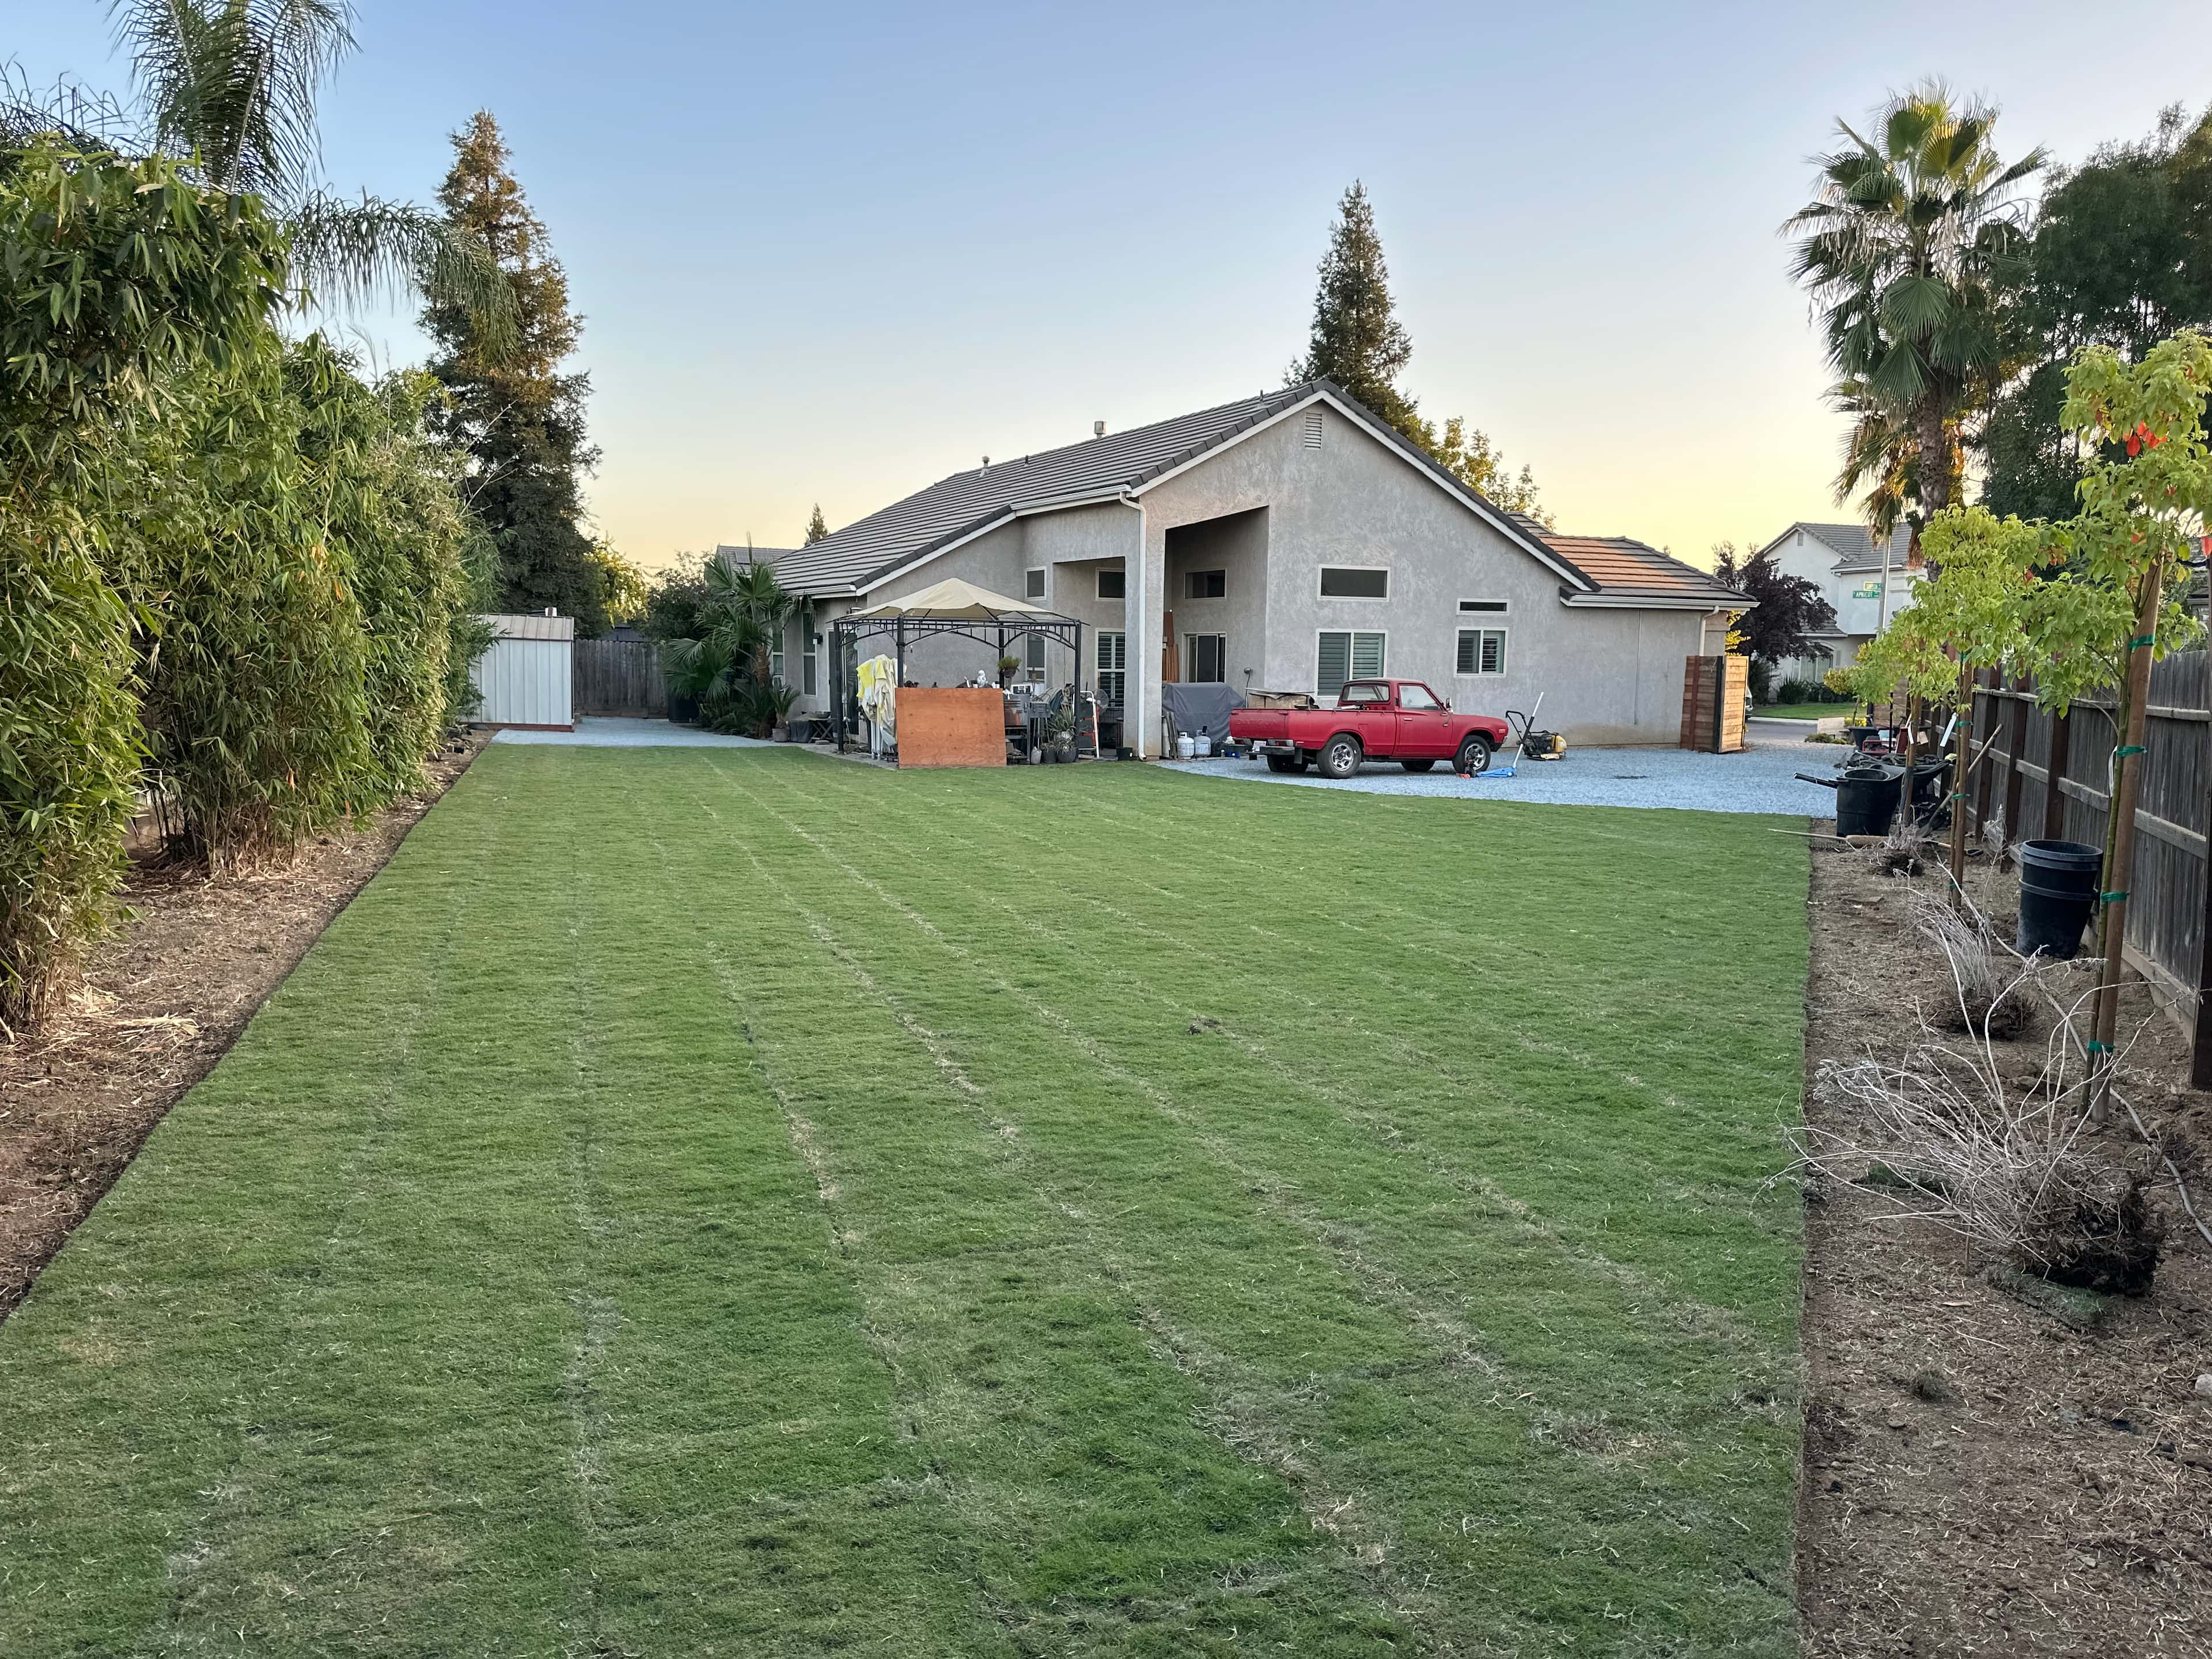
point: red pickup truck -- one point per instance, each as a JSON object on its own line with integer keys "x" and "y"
{"x": 1401, "y": 720}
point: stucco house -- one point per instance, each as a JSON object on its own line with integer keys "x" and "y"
{"x": 1286, "y": 542}
{"x": 1846, "y": 563}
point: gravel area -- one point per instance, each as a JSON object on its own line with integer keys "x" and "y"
{"x": 1760, "y": 779}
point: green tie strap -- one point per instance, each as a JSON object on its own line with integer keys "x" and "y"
{"x": 2127, "y": 749}
{"x": 2139, "y": 641}
{"x": 2094, "y": 1047}
{"x": 2110, "y": 898}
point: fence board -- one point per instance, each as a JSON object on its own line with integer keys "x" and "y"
{"x": 620, "y": 677}
{"x": 2167, "y": 903}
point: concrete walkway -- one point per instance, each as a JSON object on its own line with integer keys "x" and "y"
{"x": 602, "y": 731}
{"x": 1760, "y": 779}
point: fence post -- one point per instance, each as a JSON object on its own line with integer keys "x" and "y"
{"x": 2054, "y": 797}
{"x": 2014, "y": 745}
{"x": 1986, "y": 784}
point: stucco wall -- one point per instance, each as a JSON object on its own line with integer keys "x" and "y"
{"x": 1606, "y": 677}
{"x": 1237, "y": 547}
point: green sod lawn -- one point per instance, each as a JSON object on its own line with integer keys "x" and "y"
{"x": 734, "y": 1202}
{"x": 1806, "y": 711}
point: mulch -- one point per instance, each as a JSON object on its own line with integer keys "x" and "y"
{"x": 158, "y": 1007}
{"x": 1980, "y": 1476}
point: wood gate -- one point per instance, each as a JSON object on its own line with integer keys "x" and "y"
{"x": 620, "y": 677}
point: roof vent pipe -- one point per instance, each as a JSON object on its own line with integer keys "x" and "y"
{"x": 1098, "y": 429}
{"x": 986, "y": 467}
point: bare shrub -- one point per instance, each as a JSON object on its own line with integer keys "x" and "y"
{"x": 1903, "y": 851}
{"x": 1997, "y": 834}
{"x": 1942, "y": 1135}
{"x": 1992, "y": 986}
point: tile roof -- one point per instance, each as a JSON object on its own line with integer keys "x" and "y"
{"x": 737, "y": 555}
{"x": 1624, "y": 568}
{"x": 971, "y": 500}
{"x": 1856, "y": 547}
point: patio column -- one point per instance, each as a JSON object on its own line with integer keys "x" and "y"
{"x": 1145, "y": 606}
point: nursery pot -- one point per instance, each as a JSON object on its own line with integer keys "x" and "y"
{"x": 682, "y": 708}
{"x": 1866, "y": 800}
{"x": 2057, "y": 890}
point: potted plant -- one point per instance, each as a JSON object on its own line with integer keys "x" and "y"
{"x": 1007, "y": 667}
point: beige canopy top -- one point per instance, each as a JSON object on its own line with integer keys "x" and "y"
{"x": 954, "y": 600}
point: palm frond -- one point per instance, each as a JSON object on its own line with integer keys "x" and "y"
{"x": 348, "y": 252}
{"x": 235, "y": 82}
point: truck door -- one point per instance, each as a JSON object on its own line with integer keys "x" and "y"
{"x": 1423, "y": 732}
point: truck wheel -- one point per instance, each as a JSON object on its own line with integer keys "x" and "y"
{"x": 1417, "y": 766}
{"x": 1340, "y": 756}
{"x": 1473, "y": 756}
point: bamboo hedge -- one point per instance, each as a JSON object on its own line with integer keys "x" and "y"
{"x": 236, "y": 577}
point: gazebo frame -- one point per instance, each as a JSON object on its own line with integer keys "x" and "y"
{"x": 847, "y": 632}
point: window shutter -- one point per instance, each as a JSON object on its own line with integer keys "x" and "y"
{"x": 1367, "y": 656}
{"x": 1335, "y": 664}
{"x": 1493, "y": 651}
{"x": 1466, "y": 652}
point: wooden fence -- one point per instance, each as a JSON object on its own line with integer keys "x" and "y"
{"x": 620, "y": 677}
{"x": 2051, "y": 778}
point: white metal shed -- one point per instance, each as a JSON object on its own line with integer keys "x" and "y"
{"x": 523, "y": 678}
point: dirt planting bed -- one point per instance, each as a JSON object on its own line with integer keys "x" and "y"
{"x": 1983, "y": 1475}
{"x": 160, "y": 1005}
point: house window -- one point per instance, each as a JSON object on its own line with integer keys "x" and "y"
{"x": 1347, "y": 656}
{"x": 1113, "y": 668}
{"x": 1033, "y": 583}
{"x": 1349, "y": 583}
{"x": 1112, "y": 583}
{"x": 776, "y": 656}
{"x": 1208, "y": 584}
{"x": 1481, "y": 604}
{"x": 1033, "y": 656}
{"x": 808, "y": 640}
{"x": 1481, "y": 651}
{"x": 1204, "y": 658}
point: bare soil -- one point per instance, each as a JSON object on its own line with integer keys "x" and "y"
{"x": 1979, "y": 1476}
{"x": 159, "y": 1005}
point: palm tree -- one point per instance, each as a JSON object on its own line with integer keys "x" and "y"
{"x": 745, "y": 613}
{"x": 1912, "y": 244}
{"x": 233, "y": 84}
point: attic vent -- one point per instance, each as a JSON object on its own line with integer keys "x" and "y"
{"x": 1313, "y": 429}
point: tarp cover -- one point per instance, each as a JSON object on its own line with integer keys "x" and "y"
{"x": 954, "y": 600}
{"x": 1196, "y": 708}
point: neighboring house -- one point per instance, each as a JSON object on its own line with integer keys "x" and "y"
{"x": 1845, "y": 562}
{"x": 1287, "y": 542}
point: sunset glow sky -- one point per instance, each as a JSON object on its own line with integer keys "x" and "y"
{"x": 831, "y": 253}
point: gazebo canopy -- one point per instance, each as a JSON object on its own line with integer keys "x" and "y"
{"x": 954, "y": 600}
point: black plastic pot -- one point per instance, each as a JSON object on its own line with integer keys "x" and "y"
{"x": 683, "y": 709}
{"x": 1866, "y": 800}
{"x": 2058, "y": 888}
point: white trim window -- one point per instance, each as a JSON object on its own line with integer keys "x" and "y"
{"x": 1114, "y": 584}
{"x": 1205, "y": 658}
{"x": 808, "y": 655}
{"x": 1343, "y": 654}
{"x": 1355, "y": 581}
{"x": 1033, "y": 655}
{"x": 1484, "y": 607}
{"x": 1112, "y": 667}
{"x": 1033, "y": 583}
{"x": 775, "y": 655}
{"x": 1208, "y": 584}
{"x": 1481, "y": 651}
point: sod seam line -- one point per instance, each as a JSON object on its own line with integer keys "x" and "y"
{"x": 1690, "y": 1315}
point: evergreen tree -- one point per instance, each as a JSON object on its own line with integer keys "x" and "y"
{"x": 816, "y": 529}
{"x": 519, "y": 419}
{"x": 1357, "y": 340}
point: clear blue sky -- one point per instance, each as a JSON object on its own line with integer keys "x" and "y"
{"x": 834, "y": 252}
